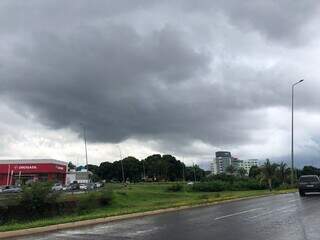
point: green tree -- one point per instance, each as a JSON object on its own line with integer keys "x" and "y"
{"x": 133, "y": 169}
{"x": 242, "y": 172}
{"x": 199, "y": 173}
{"x": 268, "y": 171}
{"x": 106, "y": 171}
{"x": 71, "y": 166}
{"x": 282, "y": 172}
{"x": 254, "y": 172}
{"x": 231, "y": 170}
{"x": 310, "y": 170}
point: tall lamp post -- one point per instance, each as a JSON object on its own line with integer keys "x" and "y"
{"x": 292, "y": 108}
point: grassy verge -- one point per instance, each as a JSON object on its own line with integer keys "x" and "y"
{"x": 141, "y": 198}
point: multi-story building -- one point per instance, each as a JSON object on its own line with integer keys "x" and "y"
{"x": 247, "y": 164}
{"x": 221, "y": 162}
{"x": 224, "y": 159}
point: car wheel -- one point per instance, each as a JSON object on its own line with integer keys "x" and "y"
{"x": 302, "y": 193}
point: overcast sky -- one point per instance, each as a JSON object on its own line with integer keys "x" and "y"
{"x": 186, "y": 78}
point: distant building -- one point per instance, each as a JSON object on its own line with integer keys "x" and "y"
{"x": 82, "y": 176}
{"x": 23, "y": 171}
{"x": 247, "y": 164}
{"x": 236, "y": 163}
{"x": 222, "y": 160}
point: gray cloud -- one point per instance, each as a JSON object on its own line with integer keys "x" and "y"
{"x": 125, "y": 75}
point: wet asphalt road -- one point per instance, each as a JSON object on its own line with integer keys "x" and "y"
{"x": 276, "y": 217}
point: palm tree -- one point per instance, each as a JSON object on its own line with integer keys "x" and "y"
{"x": 283, "y": 172}
{"x": 269, "y": 172}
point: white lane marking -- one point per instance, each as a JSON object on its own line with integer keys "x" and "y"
{"x": 237, "y": 213}
{"x": 293, "y": 200}
{"x": 275, "y": 210}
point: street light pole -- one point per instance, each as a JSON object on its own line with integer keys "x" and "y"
{"x": 85, "y": 144}
{"x": 292, "y": 122}
{"x": 122, "y": 170}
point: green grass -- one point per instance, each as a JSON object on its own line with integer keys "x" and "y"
{"x": 141, "y": 198}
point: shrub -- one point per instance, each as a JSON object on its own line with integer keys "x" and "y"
{"x": 249, "y": 184}
{"x": 284, "y": 186}
{"x": 213, "y": 186}
{"x": 94, "y": 200}
{"x": 106, "y": 197}
{"x": 218, "y": 185}
{"x": 175, "y": 188}
{"x": 38, "y": 200}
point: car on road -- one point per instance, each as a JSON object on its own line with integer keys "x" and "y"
{"x": 11, "y": 189}
{"x": 308, "y": 183}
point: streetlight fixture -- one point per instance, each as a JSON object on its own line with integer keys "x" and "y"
{"x": 292, "y": 108}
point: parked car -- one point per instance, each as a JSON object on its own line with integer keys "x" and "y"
{"x": 57, "y": 187}
{"x": 73, "y": 186}
{"x": 309, "y": 183}
{"x": 83, "y": 187}
{"x": 190, "y": 183}
{"x": 11, "y": 189}
{"x": 98, "y": 185}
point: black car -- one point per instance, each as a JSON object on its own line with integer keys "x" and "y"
{"x": 73, "y": 186}
{"x": 309, "y": 183}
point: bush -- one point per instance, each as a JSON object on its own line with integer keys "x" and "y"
{"x": 284, "y": 186}
{"x": 94, "y": 200}
{"x": 214, "y": 186}
{"x": 249, "y": 184}
{"x": 38, "y": 200}
{"x": 106, "y": 197}
{"x": 175, "y": 188}
{"x": 218, "y": 186}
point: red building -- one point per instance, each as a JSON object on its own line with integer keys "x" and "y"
{"x": 31, "y": 170}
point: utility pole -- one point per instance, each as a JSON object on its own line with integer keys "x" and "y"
{"x": 144, "y": 171}
{"x": 183, "y": 176}
{"x": 292, "y": 136}
{"x": 85, "y": 145}
{"x": 194, "y": 173}
{"x": 122, "y": 170}
{"x": 183, "y": 170}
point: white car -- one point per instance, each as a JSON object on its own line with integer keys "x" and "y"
{"x": 83, "y": 187}
{"x": 57, "y": 187}
{"x": 190, "y": 183}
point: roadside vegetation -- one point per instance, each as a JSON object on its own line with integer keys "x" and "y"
{"x": 117, "y": 199}
{"x": 38, "y": 206}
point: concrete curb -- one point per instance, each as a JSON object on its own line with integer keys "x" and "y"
{"x": 62, "y": 226}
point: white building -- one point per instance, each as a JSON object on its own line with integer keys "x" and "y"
{"x": 247, "y": 164}
{"x": 79, "y": 176}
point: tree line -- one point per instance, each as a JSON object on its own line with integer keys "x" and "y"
{"x": 153, "y": 168}
{"x": 167, "y": 168}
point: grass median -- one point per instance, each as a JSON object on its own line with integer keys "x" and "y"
{"x": 142, "y": 198}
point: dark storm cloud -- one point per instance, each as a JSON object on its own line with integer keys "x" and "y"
{"x": 115, "y": 82}
{"x": 277, "y": 20}
{"x": 87, "y": 64}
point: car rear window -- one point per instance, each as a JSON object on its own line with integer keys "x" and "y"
{"x": 309, "y": 179}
